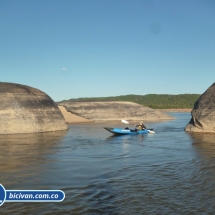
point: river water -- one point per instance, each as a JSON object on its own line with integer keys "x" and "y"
{"x": 169, "y": 172}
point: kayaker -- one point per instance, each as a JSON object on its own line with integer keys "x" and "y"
{"x": 141, "y": 126}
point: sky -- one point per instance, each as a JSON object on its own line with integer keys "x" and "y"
{"x": 98, "y": 48}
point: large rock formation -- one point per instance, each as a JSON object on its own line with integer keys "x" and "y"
{"x": 114, "y": 110}
{"x": 203, "y": 113}
{"x": 24, "y": 109}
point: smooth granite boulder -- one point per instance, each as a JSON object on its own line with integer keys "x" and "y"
{"x": 24, "y": 109}
{"x": 114, "y": 110}
{"x": 203, "y": 113}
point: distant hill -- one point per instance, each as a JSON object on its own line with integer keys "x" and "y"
{"x": 156, "y": 101}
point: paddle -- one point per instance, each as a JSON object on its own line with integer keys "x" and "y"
{"x": 126, "y": 122}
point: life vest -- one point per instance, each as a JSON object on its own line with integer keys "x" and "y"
{"x": 140, "y": 127}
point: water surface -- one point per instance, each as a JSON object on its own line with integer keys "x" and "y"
{"x": 170, "y": 172}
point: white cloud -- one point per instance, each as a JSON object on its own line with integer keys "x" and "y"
{"x": 64, "y": 69}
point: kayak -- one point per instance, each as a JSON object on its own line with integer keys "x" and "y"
{"x": 121, "y": 131}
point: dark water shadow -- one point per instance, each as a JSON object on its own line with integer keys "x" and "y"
{"x": 204, "y": 143}
{"x": 122, "y": 137}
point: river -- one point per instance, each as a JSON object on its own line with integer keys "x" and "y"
{"x": 169, "y": 172}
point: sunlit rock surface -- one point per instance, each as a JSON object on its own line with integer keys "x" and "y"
{"x": 203, "y": 113}
{"x": 114, "y": 110}
{"x": 24, "y": 109}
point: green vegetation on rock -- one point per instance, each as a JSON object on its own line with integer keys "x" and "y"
{"x": 156, "y": 101}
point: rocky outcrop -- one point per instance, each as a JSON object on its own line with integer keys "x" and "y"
{"x": 203, "y": 113}
{"x": 114, "y": 110}
{"x": 24, "y": 109}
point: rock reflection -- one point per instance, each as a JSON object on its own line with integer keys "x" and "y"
{"x": 18, "y": 152}
{"x": 204, "y": 143}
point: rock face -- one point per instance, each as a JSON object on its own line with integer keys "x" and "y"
{"x": 203, "y": 113}
{"x": 115, "y": 110}
{"x": 24, "y": 109}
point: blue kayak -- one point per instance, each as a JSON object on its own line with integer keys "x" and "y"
{"x": 121, "y": 131}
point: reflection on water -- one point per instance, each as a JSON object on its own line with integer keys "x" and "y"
{"x": 23, "y": 152}
{"x": 169, "y": 172}
{"x": 204, "y": 143}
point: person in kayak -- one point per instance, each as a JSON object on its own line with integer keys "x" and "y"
{"x": 141, "y": 126}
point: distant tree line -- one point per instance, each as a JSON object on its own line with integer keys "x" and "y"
{"x": 156, "y": 101}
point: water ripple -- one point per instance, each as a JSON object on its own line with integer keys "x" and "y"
{"x": 169, "y": 172}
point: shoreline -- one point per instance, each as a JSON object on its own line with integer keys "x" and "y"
{"x": 177, "y": 110}
{"x": 71, "y": 118}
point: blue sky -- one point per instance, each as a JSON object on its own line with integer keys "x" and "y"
{"x": 88, "y": 48}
